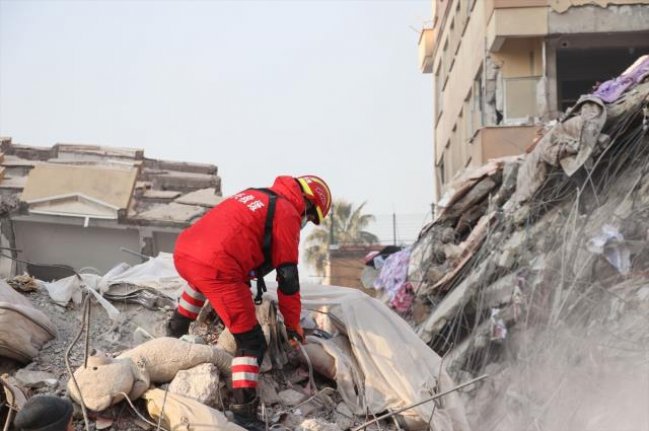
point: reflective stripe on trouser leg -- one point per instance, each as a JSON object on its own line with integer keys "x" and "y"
{"x": 191, "y": 302}
{"x": 245, "y": 372}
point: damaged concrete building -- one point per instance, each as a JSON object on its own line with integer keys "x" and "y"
{"x": 535, "y": 271}
{"x": 81, "y": 206}
{"x": 502, "y": 67}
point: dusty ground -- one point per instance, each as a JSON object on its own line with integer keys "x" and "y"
{"x": 105, "y": 335}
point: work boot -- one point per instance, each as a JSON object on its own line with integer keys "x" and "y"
{"x": 178, "y": 325}
{"x": 245, "y": 415}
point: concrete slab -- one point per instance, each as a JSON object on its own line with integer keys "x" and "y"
{"x": 14, "y": 183}
{"x": 11, "y": 161}
{"x": 161, "y": 194}
{"x": 204, "y": 198}
{"x": 174, "y": 212}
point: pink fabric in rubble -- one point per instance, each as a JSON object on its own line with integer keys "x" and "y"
{"x": 402, "y": 300}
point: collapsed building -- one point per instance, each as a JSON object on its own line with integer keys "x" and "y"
{"x": 79, "y": 206}
{"x": 535, "y": 271}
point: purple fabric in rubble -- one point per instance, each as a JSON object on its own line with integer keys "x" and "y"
{"x": 611, "y": 90}
{"x": 394, "y": 272}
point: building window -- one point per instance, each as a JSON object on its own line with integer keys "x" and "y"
{"x": 520, "y": 98}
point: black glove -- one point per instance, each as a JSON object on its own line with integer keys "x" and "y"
{"x": 295, "y": 336}
{"x": 178, "y": 325}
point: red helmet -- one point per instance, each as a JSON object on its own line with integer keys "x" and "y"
{"x": 318, "y": 193}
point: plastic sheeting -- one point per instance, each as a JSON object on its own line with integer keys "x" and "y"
{"x": 143, "y": 283}
{"x": 157, "y": 273}
{"x": 390, "y": 367}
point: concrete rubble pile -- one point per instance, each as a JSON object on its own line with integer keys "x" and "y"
{"x": 336, "y": 381}
{"x": 536, "y": 267}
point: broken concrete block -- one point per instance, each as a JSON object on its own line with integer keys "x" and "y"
{"x": 319, "y": 404}
{"x": 291, "y": 397}
{"x": 343, "y": 416}
{"x": 200, "y": 383}
{"x": 512, "y": 250}
{"x": 318, "y": 424}
{"x": 473, "y": 197}
{"x": 268, "y": 390}
{"x": 35, "y": 379}
{"x": 510, "y": 173}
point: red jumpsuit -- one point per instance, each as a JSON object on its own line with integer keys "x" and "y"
{"x": 218, "y": 254}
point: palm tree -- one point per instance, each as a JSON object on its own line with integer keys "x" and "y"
{"x": 349, "y": 226}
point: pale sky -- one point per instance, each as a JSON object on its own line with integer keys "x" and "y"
{"x": 259, "y": 88}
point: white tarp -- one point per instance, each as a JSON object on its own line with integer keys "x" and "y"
{"x": 396, "y": 368}
{"x": 157, "y": 274}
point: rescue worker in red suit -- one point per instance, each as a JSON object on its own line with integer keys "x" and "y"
{"x": 221, "y": 252}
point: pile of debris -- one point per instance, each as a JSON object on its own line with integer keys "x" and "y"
{"x": 536, "y": 270}
{"x": 360, "y": 360}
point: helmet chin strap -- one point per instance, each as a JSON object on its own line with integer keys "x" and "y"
{"x": 305, "y": 217}
{"x": 308, "y": 205}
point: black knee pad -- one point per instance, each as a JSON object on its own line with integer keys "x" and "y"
{"x": 251, "y": 343}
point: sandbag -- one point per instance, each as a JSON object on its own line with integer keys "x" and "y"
{"x": 23, "y": 328}
{"x": 184, "y": 414}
